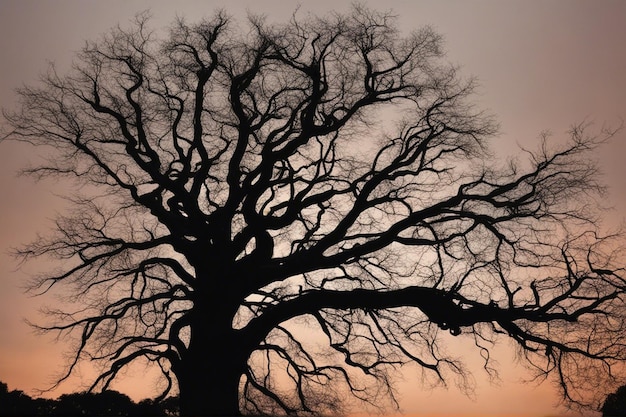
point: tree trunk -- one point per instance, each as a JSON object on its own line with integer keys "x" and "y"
{"x": 210, "y": 371}
{"x": 209, "y": 386}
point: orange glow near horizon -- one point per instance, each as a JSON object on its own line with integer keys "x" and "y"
{"x": 540, "y": 65}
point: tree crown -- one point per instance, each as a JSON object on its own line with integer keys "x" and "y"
{"x": 328, "y": 168}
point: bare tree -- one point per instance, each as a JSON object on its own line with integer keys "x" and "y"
{"x": 331, "y": 174}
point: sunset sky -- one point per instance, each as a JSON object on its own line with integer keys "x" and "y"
{"x": 541, "y": 65}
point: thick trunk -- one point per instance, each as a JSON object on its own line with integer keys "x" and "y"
{"x": 210, "y": 370}
{"x": 209, "y": 386}
{"x": 209, "y": 373}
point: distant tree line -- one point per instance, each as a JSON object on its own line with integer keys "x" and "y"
{"x": 106, "y": 403}
{"x": 112, "y": 403}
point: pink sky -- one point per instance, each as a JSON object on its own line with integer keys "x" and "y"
{"x": 541, "y": 65}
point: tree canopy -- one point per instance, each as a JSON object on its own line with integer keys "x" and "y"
{"x": 238, "y": 184}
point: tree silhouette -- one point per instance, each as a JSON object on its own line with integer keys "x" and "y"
{"x": 17, "y": 403}
{"x": 330, "y": 174}
{"x": 106, "y": 403}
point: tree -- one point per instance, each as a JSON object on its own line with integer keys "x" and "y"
{"x": 17, "y": 403}
{"x": 327, "y": 173}
{"x": 105, "y": 403}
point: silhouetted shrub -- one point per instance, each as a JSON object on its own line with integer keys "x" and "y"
{"x": 107, "y": 403}
{"x": 17, "y": 403}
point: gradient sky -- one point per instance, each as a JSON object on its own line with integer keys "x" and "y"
{"x": 541, "y": 65}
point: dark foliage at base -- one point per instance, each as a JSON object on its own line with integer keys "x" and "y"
{"x": 106, "y": 403}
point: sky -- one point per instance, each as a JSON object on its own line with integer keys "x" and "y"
{"x": 541, "y": 65}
